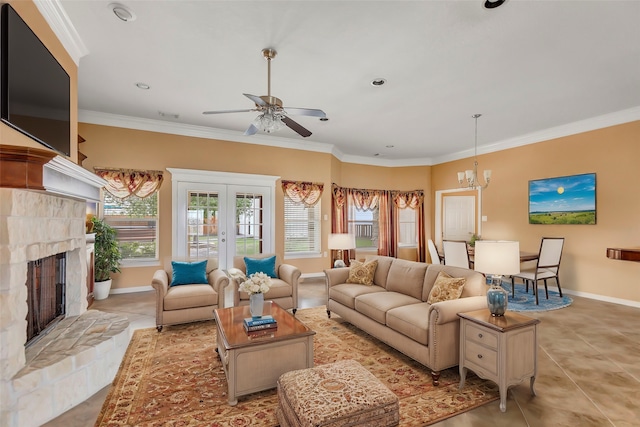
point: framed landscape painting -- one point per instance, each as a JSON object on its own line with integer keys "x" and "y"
{"x": 563, "y": 200}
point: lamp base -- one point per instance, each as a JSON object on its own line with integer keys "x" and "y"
{"x": 497, "y": 297}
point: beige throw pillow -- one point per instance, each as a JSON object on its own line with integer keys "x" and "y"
{"x": 446, "y": 288}
{"x": 362, "y": 273}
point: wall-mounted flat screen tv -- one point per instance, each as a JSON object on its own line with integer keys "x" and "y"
{"x": 35, "y": 88}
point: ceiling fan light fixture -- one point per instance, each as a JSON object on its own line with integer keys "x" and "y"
{"x": 269, "y": 122}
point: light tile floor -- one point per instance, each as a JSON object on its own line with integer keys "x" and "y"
{"x": 588, "y": 366}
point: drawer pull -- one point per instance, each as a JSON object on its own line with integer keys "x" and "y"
{"x": 479, "y": 335}
{"x": 479, "y": 356}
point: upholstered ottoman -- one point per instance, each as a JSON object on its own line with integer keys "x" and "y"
{"x": 335, "y": 395}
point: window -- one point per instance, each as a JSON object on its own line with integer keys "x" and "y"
{"x": 301, "y": 228}
{"x": 136, "y": 223}
{"x": 364, "y": 224}
{"x": 407, "y": 234}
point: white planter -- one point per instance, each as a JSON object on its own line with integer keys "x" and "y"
{"x": 101, "y": 289}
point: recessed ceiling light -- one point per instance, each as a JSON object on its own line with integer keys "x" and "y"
{"x": 143, "y": 86}
{"x": 389, "y": 146}
{"x": 123, "y": 12}
{"x": 492, "y": 4}
{"x": 378, "y": 82}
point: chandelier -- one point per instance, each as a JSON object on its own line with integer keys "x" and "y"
{"x": 469, "y": 178}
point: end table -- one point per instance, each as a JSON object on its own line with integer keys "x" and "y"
{"x": 502, "y": 349}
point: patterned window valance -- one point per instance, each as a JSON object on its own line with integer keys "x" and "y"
{"x": 306, "y": 193}
{"x": 408, "y": 199}
{"x": 365, "y": 200}
{"x": 124, "y": 183}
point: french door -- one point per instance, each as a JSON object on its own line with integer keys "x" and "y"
{"x": 221, "y": 220}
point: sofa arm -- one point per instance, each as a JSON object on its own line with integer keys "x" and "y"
{"x": 447, "y": 311}
{"x": 160, "y": 283}
{"x": 291, "y": 275}
{"x": 336, "y": 276}
{"x": 218, "y": 281}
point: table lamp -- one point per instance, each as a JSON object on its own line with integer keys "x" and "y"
{"x": 496, "y": 258}
{"x": 340, "y": 242}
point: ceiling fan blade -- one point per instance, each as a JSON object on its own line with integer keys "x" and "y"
{"x": 256, "y": 99}
{"x": 228, "y": 111}
{"x": 305, "y": 112}
{"x": 251, "y": 130}
{"x": 296, "y": 127}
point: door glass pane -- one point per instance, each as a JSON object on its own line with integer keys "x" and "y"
{"x": 202, "y": 225}
{"x": 249, "y": 223}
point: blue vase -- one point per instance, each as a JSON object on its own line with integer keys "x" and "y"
{"x": 497, "y": 298}
{"x": 256, "y": 305}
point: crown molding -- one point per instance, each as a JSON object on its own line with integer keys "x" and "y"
{"x": 59, "y": 21}
{"x": 127, "y": 122}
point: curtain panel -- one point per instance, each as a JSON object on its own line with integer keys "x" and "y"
{"x": 124, "y": 183}
{"x": 387, "y": 202}
{"x": 306, "y": 193}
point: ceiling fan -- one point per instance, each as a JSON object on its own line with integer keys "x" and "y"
{"x": 273, "y": 116}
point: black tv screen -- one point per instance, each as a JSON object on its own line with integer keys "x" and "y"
{"x": 35, "y": 88}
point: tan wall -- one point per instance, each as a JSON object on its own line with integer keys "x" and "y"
{"x": 613, "y": 154}
{"x": 31, "y": 15}
{"x": 124, "y": 148}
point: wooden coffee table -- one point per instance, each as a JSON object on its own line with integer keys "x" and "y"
{"x": 254, "y": 361}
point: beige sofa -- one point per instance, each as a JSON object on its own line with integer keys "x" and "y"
{"x": 284, "y": 290}
{"x": 188, "y": 303}
{"x": 394, "y": 308}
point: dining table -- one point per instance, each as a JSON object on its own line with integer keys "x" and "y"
{"x": 524, "y": 256}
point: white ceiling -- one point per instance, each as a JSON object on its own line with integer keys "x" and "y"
{"x": 534, "y": 69}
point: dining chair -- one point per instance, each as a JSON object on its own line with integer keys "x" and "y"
{"x": 433, "y": 252}
{"x": 547, "y": 267}
{"x": 456, "y": 253}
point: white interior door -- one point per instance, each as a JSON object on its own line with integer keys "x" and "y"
{"x": 459, "y": 217}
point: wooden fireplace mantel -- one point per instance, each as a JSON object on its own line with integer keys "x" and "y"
{"x": 22, "y": 167}
{"x": 628, "y": 254}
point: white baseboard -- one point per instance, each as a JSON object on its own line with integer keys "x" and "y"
{"x": 131, "y": 290}
{"x": 604, "y": 298}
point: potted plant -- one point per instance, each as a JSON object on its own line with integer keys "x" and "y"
{"x": 107, "y": 257}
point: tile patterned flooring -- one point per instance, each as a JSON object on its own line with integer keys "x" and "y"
{"x": 588, "y": 366}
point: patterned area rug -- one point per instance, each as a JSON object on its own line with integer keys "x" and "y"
{"x": 526, "y": 301}
{"x": 175, "y": 378}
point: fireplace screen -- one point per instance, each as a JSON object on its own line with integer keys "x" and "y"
{"x": 45, "y": 294}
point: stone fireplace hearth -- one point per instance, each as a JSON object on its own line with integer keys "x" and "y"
{"x": 81, "y": 354}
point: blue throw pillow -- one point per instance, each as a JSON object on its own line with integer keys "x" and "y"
{"x": 261, "y": 265}
{"x": 189, "y": 273}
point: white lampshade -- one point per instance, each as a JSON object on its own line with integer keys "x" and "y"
{"x": 500, "y": 257}
{"x": 487, "y": 174}
{"x": 342, "y": 241}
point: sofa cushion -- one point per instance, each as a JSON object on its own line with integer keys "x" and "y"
{"x": 188, "y": 273}
{"x": 411, "y": 320}
{"x": 279, "y": 289}
{"x": 362, "y": 273}
{"x": 384, "y": 263}
{"x": 179, "y": 297}
{"x": 346, "y": 293}
{"x": 261, "y": 265}
{"x": 406, "y": 277}
{"x": 375, "y": 306}
{"x": 446, "y": 288}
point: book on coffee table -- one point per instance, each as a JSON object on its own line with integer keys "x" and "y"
{"x": 259, "y": 323}
{"x": 264, "y": 326}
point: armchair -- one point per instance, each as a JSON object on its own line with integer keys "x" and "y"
{"x": 190, "y": 302}
{"x": 284, "y": 290}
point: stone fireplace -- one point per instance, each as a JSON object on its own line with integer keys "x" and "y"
{"x": 42, "y": 213}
